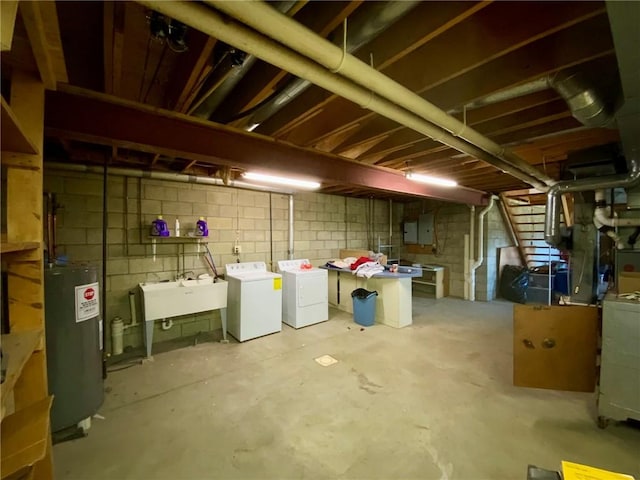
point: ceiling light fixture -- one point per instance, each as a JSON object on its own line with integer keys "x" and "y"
{"x": 442, "y": 182}
{"x": 292, "y": 182}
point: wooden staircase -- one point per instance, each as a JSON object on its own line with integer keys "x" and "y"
{"x": 525, "y": 210}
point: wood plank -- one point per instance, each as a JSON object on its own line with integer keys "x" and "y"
{"x": 14, "y": 138}
{"x": 25, "y": 437}
{"x": 24, "y": 210}
{"x": 17, "y": 348}
{"x": 34, "y": 23}
{"x": 188, "y": 70}
{"x": 51, "y": 25}
{"x": 555, "y": 347}
{"x": 8, "y": 12}
{"x": 113, "y": 45}
{"x": 567, "y": 208}
{"x": 18, "y": 246}
{"x": 107, "y": 44}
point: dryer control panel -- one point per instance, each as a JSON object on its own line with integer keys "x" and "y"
{"x": 288, "y": 265}
{"x": 246, "y": 267}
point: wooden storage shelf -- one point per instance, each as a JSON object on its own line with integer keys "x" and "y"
{"x": 13, "y": 136}
{"x": 11, "y": 247}
{"x": 434, "y": 276}
{"x": 17, "y": 348}
{"x": 422, "y": 282}
{"x": 25, "y": 436}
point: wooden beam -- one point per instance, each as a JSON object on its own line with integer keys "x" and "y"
{"x": 189, "y": 70}
{"x": 14, "y": 138}
{"x": 34, "y": 24}
{"x": 106, "y": 120}
{"x": 49, "y": 14}
{"x": 8, "y": 12}
{"x": 113, "y": 44}
{"x": 188, "y": 166}
{"x": 538, "y": 21}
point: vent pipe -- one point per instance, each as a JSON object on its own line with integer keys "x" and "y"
{"x": 552, "y": 218}
{"x": 586, "y": 104}
{"x": 230, "y": 76}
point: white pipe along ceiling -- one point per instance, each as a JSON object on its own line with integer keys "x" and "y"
{"x": 287, "y": 31}
{"x": 212, "y": 23}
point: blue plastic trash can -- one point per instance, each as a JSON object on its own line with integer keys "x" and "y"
{"x": 364, "y": 306}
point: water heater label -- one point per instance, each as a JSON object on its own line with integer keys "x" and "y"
{"x": 87, "y": 302}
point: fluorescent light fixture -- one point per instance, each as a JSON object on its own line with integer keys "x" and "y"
{"x": 442, "y": 182}
{"x": 281, "y": 180}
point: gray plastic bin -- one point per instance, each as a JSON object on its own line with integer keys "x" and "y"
{"x": 364, "y": 306}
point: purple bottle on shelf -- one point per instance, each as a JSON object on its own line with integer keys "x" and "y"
{"x": 201, "y": 228}
{"x": 159, "y": 228}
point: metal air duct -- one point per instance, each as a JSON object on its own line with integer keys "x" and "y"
{"x": 623, "y": 18}
{"x": 232, "y": 74}
{"x": 362, "y": 30}
{"x": 586, "y": 104}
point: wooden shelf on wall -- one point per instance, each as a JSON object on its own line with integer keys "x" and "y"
{"x": 17, "y": 348}
{"x": 13, "y": 137}
{"x": 12, "y": 247}
{"x": 25, "y": 435}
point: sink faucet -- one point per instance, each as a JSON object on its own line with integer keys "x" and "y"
{"x": 183, "y": 275}
{"x": 157, "y": 276}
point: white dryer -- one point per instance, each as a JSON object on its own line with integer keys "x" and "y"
{"x": 254, "y": 303}
{"x": 305, "y": 294}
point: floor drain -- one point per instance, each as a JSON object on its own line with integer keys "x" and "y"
{"x": 326, "y": 360}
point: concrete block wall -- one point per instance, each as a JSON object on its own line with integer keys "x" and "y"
{"x": 452, "y": 224}
{"x": 256, "y": 221}
{"x": 324, "y": 224}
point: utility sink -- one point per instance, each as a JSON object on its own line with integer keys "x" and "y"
{"x": 170, "y": 299}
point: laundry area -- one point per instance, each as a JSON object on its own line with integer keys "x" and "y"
{"x": 262, "y": 240}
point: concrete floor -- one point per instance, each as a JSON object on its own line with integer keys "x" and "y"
{"x": 433, "y": 400}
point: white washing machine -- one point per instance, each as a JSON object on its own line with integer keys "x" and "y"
{"x": 304, "y": 295}
{"x": 254, "y": 302}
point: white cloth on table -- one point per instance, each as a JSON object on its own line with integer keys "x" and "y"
{"x": 368, "y": 269}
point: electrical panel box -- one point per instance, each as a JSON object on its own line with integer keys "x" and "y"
{"x": 410, "y": 233}
{"x": 425, "y": 229}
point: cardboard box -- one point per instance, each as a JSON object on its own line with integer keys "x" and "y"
{"x": 628, "y": 282}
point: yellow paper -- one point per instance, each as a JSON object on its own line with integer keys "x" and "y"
{"x": 575, "y": 471}
{"x": 277, "y": 283}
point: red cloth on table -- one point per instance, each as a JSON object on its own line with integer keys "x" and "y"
{"x": 359, "y": 262}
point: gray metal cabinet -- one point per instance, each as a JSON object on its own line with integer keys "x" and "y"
{"x": 619, "y": 392}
